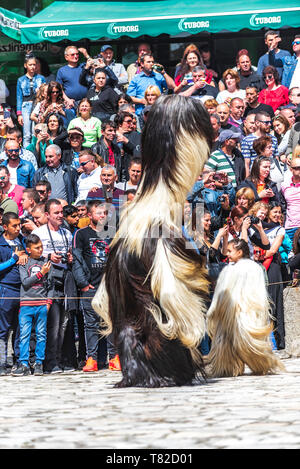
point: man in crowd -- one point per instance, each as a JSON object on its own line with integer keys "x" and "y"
{"x": 90, "y": 177}
{"x": 68, "y": 77}
{"x": 90, "y": 251}
{"x": 63, "y": 178}
{"x": 200, "y": 89}
{"x": 249, "y": 124}
{"x": 216, "y": 125}
{"x": 289, "y": 114}
{"x": 263, "y": 124}
{"x": 290, "y": 192}
{"x": 272, "y": 40}
{"x": 236, "y": 109}
{"x": 43, "y": 187}
{"x": 247, "y": 75}
{"x": 71, "y": 146}
{"x": 21, "y": 171}
{"x": 128, "y": 140}
{"x": 252, "y": 102}
{"x": 294, "y": 96}
{"x": 227, "y": 159}
{"x": 57, "y": 244}
{"x": 291, "y": 65}
{"x": 38, "y": 215}
{"x": 135, "y": 68}
{"x": 118, "y": 68}
{"x": 148, "y": 76}
{"x": 107, "y": 146}
{"x": 13, "y": 133}
{"x": 12, "y": 253}
{"x": 223, "y": 112}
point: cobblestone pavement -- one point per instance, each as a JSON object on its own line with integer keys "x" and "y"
{"x": 82, "y": 410}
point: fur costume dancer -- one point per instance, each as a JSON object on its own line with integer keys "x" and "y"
{"x": 239, "y": 323}
{"x": 152, "y": 295}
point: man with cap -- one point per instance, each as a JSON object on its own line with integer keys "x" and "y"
{"x": 71, "y": 145}
{"x": 118, "y": 68}
{"x": 228, "y": 159}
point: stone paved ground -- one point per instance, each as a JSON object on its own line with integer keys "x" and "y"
{"x": 81, "y": 410}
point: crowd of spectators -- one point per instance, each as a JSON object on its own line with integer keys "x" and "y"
{"x": 70, "y": 156}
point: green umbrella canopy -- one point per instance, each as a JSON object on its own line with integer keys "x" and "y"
{"x": 113, "y": 19}
{"x": 10, "y": 23}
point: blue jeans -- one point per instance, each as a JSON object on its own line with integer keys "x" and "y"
{"x": 27, "y": 123}
{"x": 9, "y": 309}
{"x": 26, "y": 317}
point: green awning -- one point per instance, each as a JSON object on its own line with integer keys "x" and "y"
{"x": 10, "y": 23}
{"x": 114, "y": 19}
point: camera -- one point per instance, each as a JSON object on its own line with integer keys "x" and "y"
{"x": 64, "y": 258}
{"x": 23, "y": 221}
{"x": 217, "y": 177}
{"x": 254, "y": 220}
{"x": 222, "y": 199}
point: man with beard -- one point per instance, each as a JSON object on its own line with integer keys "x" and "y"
{"x": 21, "y": 171}
{"x": 252, "y": 102}
{"x": 107, "y": 146}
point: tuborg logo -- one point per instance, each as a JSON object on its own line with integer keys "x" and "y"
{"x": 185, "y": 25}
{"x": 258, "y": 21}
{"x": 114, "y": 30}
{"x": 48, "y": 33}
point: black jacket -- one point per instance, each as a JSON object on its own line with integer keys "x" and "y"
{"x": 70, "y": 179}
{"x": 102, "y": 150}
{"x": 272, "y": 185}
{"x": 132, "y": 149}
{"x": 104, "y": 101}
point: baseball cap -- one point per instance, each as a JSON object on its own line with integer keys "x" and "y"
{"x": 226, "y": 134}
{"x": 104, "y": 48}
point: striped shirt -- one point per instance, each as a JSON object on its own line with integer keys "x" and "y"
{"x": 218, "y": 161}
{"x": 248, "y": 150}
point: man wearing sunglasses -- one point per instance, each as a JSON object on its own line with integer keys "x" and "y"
{"x": 263, "y": 124}
{"x": 290, "y": 64}
{"x": 68, "y": 77}
{"x": 90, "y": 176}
{"x": 21, "y": 171}
{"x": 290, "y": 192}
{"x": 71, "y": 147}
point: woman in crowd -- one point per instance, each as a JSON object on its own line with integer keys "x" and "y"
{"x": 183, "y": 74}
{"x": 282, "y": 131}
{"x": 55, "y": 103}
{"x": 39, "y": 105}
{"x": 151, "y": 94}
{"x": 103, "y": 97}
{"x": 245, "y": 198}
{"x": 231, "y": 81}
{"x": 55, "y": 125}
{"x": 39, "y": 142}
{"x": 263, "y": 146}
{"x": 274, "y": 94}
{"x": 27, "y": 86}
{"x": 276, "y": 234}
{"x": 260, "y": 182}
{"x": 90, "y": 125}
{"x": 211, "y": 106}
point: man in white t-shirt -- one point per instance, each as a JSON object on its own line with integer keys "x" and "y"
{"x": 57, "y": 243}
{"x": 91, "y": 174}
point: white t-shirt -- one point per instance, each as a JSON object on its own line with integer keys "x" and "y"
{"x": 86, "y": 182}
{"x": 62, "y": 240}
{"x": 223, "y": 95}
{"x": 12, "y": 175}
{"x": 296, "y": 76}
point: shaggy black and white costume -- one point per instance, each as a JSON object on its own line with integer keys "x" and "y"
{"x": 152, "y": 294}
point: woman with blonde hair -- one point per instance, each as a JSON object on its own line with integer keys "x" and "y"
{"x": 245, "y": 198}
{"x": 151, "y": 94}
{"x": 231, "y": 81}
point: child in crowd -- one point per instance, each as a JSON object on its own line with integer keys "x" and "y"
{"x": 34, "y": 306}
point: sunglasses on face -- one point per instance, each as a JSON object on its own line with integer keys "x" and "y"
{"x": 296, "y": 43}
{"x": 54, "y": 92}
{"x": 297, "y": 168}
{"x": 84, "y": 163}
{"x": 2, "y": 178}
{"x": 40, "y": 191}
{"x": 75, "y": 137}
{"x": 73, "y": 55}
{"x": 268, "y": 77}
{"x": 266, "y": 122}
{"x": 13, "y": 150}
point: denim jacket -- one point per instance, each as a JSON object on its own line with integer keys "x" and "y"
{"x": 289, "y": 64}
{"x": 23, "y": 88}
{"x": 25, "y": 173}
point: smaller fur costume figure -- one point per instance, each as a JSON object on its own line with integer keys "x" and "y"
{"x": 239, "y": 323}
